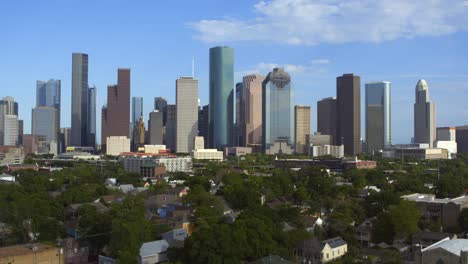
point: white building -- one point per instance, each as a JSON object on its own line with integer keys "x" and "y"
{"x": 199, "y": 142}
{"x": 450, "y": 146}
{"x": 154, "y": 148}
{"x": 207, "y": 154}
{"x": 327, "y": 150}
{"x": 424, "y": 116}
{"x": 187, "y": 114}
{"x": 117, "y": 145}
{"x": 10, "y": 136}
{"x": 10, "y": 155}
{"x": 153, "y": 252}
{"x": 174, "y": 164}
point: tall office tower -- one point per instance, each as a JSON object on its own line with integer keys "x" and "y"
{"x": 79, "y": 113}
{"x": 160, "y": 104}
{"x": 155, "y": 128}
{"x": 92, "y": 116}
{"x": 20, "y": 132}
{"x": 139, "y": 133}
{"x": 187, "y": 114}
{"x": 446, "y": 134}
{"x": 171, "y": 127}
{"x": 65, "y": 138}
{"x": 137, "y": 109}
{"x": 424, "y": 116}
{"x": 240, "y": 115}
{"x": 8, "y": 121}
{"x": 348, "y": 106}
{"x": 44, "y": 125}
{"x": 48, "y": 94}
{"x": 378, "y": 116}
{"x": 461, "y": 135}
{"x": 326, "y": 118}
{"x": 221, "y": 96}
{"x": 116, "y": 115}
{"x": 278, "y": 108}
{"x": 252, "y": 131}
{"x": 302, "y": 128}
{"x": 203, "y": 123}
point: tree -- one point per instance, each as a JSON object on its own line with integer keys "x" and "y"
{"x": 405, "y": 217}
{"x": 384, "y": 230}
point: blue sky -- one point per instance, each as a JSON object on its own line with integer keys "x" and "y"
{"x": 315, "y": 40}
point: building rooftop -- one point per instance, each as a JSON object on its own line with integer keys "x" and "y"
{"x": 154, "y": 247}
{"x": 454, "y": 246}
{"x": 334, "y": 242}
{"x": 422, "y": 85}
{"x": 421, "y": 197}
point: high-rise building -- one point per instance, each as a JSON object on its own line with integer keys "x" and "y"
{"x": 160, "y": 104}
{"x": 424, "y": 116}
{"x": 139, "y": 134}
{"x": 187, "y": 114}
{"x": 65, "y": 138}
{"x": 446, "y": 134}
{"x": 302, "y": 128}
{"x": 79, "y": 113}
{"x": 462, "y": 138}
{"x": 137, "y": 109}
{"x": 326, "y": 118}
{"x": 171, "y": 127}
{"x": 239, "y": 137}
{"x": 348, "y": 106}
{"x": 252, "y": 130}
{"x": 378, "y": 116}
{"x": 203, "y": 123}
{"x": 116, "y": 115}
{"x": 92, "y": 116}
{"x": 8, "y": 121}
{"x": 20, "y": 132}
{"x": 44, "y": 125}
{"x": 221, "y": 96}
{"x": 278, "y": 109}
{"x": 155, "y": 128}
{"x": 48, "y": 94}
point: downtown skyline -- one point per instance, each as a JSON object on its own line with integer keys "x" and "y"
{"x": 156, "y": 64}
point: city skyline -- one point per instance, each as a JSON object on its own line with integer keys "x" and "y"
{"x": 313, "y": 67}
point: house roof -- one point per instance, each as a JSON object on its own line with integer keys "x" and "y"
{"x": 154, "y": 247}
{"x": 334, "y": 242}
{"x": 454, "y": 246}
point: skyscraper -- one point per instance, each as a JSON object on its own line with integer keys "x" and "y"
{"x": 44, "y": 125}
{"x": 424, "y": 115}
{"x": 326, "y": 118}
{"x": 348, "y": 105}
{"x": 137, "y": 109}
{"x": 48, "y": 94}
{"x": 302, "y": 127}
{"x": 203, "y": 126}
{"x": 221, "y": 96}
{"x": 65, "y": 138}
{"x": 155, "y": 128}
{"x": 378, "y": 116}
{"x": 79, "y": 113}
{"x": 171, "y": 127}
{"x": 116, "y": 115}
{"x": 187, "y": 114}
{"x": 91, "y": 117}
{"x": 20, "y": 132}
{"x": 239, "y": 138}
{"x": 160, "y": 104}
{"x": 252, "y": 131}
{"x": 278, "y": 108}
{"x": 8, "y": 121}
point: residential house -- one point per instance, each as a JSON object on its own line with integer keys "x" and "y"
{"x": 364, "y": 232}
{"x": 425, "y": 238}
{"x": 153, "y": 252}
{"x": 313, "y": 251}
{"x": 175, "y": 237}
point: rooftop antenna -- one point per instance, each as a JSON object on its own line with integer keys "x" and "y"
{"x": 193, "y": 67}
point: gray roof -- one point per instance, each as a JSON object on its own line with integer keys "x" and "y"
{"x": 154, "y": 247}
{"x": 454, "y": 246}
{"x": 334, "y": 242}
{"x": 125, "y": 188}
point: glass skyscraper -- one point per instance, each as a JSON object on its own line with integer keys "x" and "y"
{"x": 92, "y": 116}
{"x": 49, "y": 94}
{"x": 221, "y": 96}
{"x": 137, "y": 109}
{"x": 378, "y": 116}
{"x": 44, "y": 125}
{"x": 278, "y": 108}
{"x": 79, "y": 113}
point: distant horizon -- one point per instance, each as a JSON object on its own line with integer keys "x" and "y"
{"x": 159, "y": 43}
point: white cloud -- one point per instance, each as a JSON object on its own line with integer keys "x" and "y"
{"x": 320, "y": 61}
{"x": 308, "y": 22}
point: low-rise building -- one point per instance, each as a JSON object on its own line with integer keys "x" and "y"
{"x": 153, "y": 252}
{"x": 314, "y": 251}
{"x": 10, "y": 155}
{"x": 133, "y": 162}
{"x": 445, "y": 210}
{"x": 32, "y": 253}
{"x": 445, "y": 251}
{"x": 237, "y": 151}
{"x": 415, "y": 151}
{"x": 280, "y": 146}
{"x": 207, "y": 154}
{"x": 426, "y": 238}
{"x": 450, "y": 146}
{"x": 155, "y": 149}
{"x": 364, "y": 232}
{"x": 326, "y": 150}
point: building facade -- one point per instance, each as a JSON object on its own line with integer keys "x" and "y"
{"x": 252, "y": 85}
{"x": 301, "y": 128}
{"x": 424, "y": 115}
{"x": 203, "y": 123}
{"x": 326, "y": 117}
{"x": 170, "y": 136}
{"x": 378, "y": 116}
{"x": 92, "y": 116}
{"x": 348, "y": 106}
{"x": 79, "y": 113}
{"x": 155, "y": 128}
{"x": 221, "y": 96}
{"x": 8, "y": 121}
{"x": 44, "y": 124}
{"x": 186, "y": 114}
{"x": 160, "y": 104}
{"x": 117, "y": 145}
{"x": 278, "y": 105}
